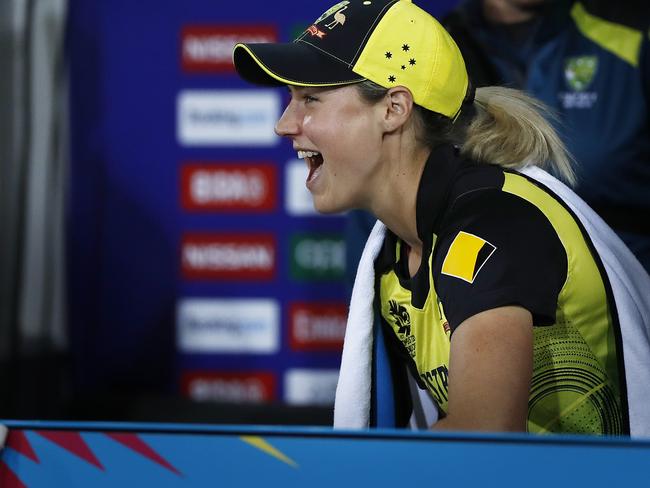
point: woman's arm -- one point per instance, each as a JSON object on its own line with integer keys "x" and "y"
{"x": 490, "y": 369}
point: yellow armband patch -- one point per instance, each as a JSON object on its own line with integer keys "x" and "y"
{"x": 466, "y": 256}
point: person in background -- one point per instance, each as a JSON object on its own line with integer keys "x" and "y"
{"x": 590, "y": 62}
{"x": 498, "y": 291}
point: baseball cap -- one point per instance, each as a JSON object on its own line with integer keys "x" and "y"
{"x": 390, "y": 42}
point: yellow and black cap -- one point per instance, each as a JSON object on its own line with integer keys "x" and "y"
{"x": 390, "y": 42}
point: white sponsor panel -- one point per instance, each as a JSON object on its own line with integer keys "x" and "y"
{"x": 227, "y": 117}
{"x": 310, "y": 386}
{"x": 228, "y": 326}
{"x": 298, "y": 200}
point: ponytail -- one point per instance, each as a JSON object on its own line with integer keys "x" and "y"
{"x": 510, "y": 129}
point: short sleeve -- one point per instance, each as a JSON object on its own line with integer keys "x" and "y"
{"x": 495, "y": 250}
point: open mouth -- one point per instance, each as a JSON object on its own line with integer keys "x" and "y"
{"x": 314, "y": 162}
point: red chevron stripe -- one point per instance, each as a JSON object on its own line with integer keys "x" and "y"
{"x": 19, "y": 442}
{"x": 72, "y": 442}
{"x": 134, "y": 442}
{"x": 8, "y": 478}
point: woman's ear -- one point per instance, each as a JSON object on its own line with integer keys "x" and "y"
{"x": 399, "y": 106}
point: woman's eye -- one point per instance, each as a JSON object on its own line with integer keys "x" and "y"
{"x": 309, "y": 99}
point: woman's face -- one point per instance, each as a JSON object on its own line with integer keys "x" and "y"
{"x": 339, "y": 136}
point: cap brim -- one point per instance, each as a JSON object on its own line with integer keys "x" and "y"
{"x": 295, "y": 63}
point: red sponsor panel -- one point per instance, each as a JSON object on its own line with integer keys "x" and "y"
{"x": 317, "y": 326}
{"x": 225, "y": 386}
{"x": 228, "y": 256}
{"x": 208, "y": 48}
{"x": 229, "y": 187}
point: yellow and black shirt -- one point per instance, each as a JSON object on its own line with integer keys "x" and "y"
{"x": 494, "y": 238}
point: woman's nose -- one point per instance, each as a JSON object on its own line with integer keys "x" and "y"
{"x": 289, "y": 124}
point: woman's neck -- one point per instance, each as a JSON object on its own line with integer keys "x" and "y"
{"x": 395, "y": 201}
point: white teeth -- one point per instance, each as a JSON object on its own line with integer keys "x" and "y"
{"x": 306, "y": 154}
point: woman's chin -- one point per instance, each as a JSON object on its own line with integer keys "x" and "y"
{"x": 324, "y": 207}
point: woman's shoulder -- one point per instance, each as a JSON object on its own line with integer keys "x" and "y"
{"x": 488, "y": 218}
{"x": 496, "y": 248}
{"x": 479, "y": 198}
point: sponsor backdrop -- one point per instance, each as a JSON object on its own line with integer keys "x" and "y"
{"x": 197, "y": 265}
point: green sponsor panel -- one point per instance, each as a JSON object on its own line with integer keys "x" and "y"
{"x": 317, "y": 256}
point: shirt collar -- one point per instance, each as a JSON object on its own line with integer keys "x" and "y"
{"x": 440, "y": 171}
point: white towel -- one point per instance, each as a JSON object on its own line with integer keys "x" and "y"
{"x": 630, "y": 285}
{"x": 352, "y": 401}
{"x": 631, "y": 288}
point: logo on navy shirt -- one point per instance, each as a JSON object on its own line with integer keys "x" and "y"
{"x": 579, "y": 73}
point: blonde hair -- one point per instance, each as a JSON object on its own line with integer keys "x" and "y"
{"x": 511, "y": 129}
{"x": 503, "y": 126}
